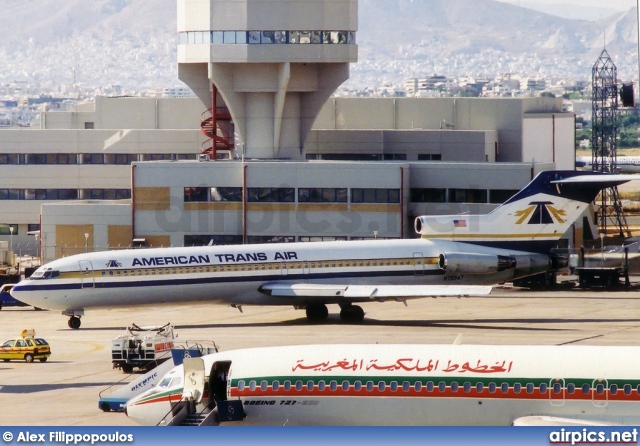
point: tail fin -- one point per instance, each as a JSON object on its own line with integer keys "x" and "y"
{"x": 533, "y": 219}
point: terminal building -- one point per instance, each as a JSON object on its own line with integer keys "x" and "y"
{"x": 299, "y": 164}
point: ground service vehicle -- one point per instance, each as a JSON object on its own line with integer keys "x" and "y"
{"x": 27, "y": 347}
{"x": 142, "y": 347}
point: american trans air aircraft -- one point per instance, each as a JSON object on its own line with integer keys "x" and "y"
{"x": 404, "y": 385}
{"x": 512, "y": 241}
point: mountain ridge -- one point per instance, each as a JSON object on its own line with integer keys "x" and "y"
{"x": 133, "y": 42}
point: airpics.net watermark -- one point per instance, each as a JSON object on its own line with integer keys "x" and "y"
{"x": 62, "y": 437}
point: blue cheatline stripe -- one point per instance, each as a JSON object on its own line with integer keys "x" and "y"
{"x": 209, "y": 280}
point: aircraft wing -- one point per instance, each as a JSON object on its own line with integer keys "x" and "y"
{"x": 542, "y": 420}
{"x": 373, "y": 292}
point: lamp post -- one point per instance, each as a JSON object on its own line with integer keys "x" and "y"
{"x": 37, "y": 245}
{"x": 86, "y": 242}
{"x": 11, "y": 238}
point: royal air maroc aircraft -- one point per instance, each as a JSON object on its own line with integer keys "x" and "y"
{"x": 403, "y": 385}
{"x": 510, "y": 242}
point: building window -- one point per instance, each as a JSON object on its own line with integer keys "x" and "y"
{"x": 88, "y": 125}
{"x": 267, "y": 38}
{"x": 10, "y": 158}
{"x": 322, "y": 195}
{"x": 124, "y": 158}
{"x": 394, "y": 157}
{"x": 429, "y": 157}
{"x": 35, "y": 158}
{"x": 92, "y": 158}
{"x": 204, "y": 240}
{"x": 375, "y": 195}
{"x": 271, "y": 195}
{"x": 5, "y": 229}
{"x": 31, "y": 227}
{"x": 226, "y": 194}
{"x": 498, "y": 196}
{"x": 196, "y": 194}
{"x": 257, "y": 239}
{"x": 467, "y": 196}
{"x": 428, "y": 195}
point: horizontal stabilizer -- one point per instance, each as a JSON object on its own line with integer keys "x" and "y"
{"x": 543, "y": 420}
{"x": 373, "y": 292}
{"x": 608, "y": 180}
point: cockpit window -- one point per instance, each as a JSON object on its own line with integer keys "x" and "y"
{"x": 38, "y": 273}
{"x": 45, "y": 273}
{"x": 165, "y": 382}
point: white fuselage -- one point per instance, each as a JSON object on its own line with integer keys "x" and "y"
{"x": 234, "y": 274}
{"x": 415, "y": 385}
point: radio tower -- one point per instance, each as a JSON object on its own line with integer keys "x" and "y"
{"x": 604, "y": 155}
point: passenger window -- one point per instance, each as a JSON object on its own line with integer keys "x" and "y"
{"x": 454, "y": 386}
{"x": 429, "y": 386}
{"x": 369, "y": 386}
{"x": 357, "y": 386}
{"x": 571, "y": 388}
{"x": 586, "y": 388}
{"x": 557, "y": 388}
{"x": 287, "y": 386}
{"x": 418, "y": 386}
{"x": 492, "y": 387}
{"x": 467, "y": 387}
{"x": 529, "y": 387}
{"x": 321, "y": 386}
{"x": 252, "y": 385}
{"x": 345, "y": 385}
{"x": 613, "y": 389}
{"x": 276, "y": 385}
{"x": 298, "y": 386}
{"x": 442, "y": 386}
{"x": 241, "y": 385}
{"x": 381, "y": 386}
{"x": 406, "y": 386}
{"x": 600, "y": 389}
{"x": 627, "y": 389}
{"x": 394, "y": 386}
{"x": 517, "y": 387}
{"x": 310, "y": 385}
{"x": 333, "y": 386}
{"x": 543, "y": 388}
{"x": 479, "y": 387}
{"x": 264, "y": 386}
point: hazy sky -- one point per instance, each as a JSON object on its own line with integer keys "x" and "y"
{"x": 613, "y": 4}
{"x": 577, "y": 9}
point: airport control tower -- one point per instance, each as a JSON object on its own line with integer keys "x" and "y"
{"x": 266, "y": 65}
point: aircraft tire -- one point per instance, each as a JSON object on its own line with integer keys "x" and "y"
{"x": 74, "y": 323}
{"x": 317, "y": 312}
{"x": 352, "y": 313}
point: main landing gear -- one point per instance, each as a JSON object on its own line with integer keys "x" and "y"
{"x": 348, "y": 313}
{"x": 74, "y": 318}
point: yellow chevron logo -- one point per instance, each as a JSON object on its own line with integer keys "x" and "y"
{"x": 540, "y": 213}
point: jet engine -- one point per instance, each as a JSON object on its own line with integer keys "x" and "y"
{"x": 472, "y": 263}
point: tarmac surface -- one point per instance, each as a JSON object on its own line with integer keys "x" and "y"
{"x": 64, "y": 391}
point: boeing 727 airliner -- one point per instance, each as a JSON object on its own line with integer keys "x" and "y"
{"x": 403, "y": 385}
{"x": 512, "y": 241}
